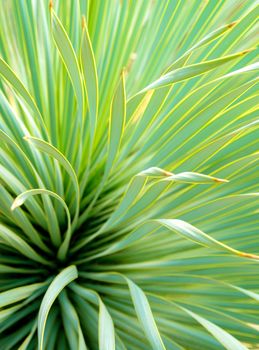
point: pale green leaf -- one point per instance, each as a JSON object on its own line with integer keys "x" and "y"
{"x": 71, "y": 323}
{"x": 191, "y": 71}
{"x": 145, "y": 316}
{"x": 90, "y": 78}
{"x": 69, "y": 58}
{"x": 225, "y": 338}
{"x": 60, "y": 282}
{"x": 15, "y": 241}
{"x": 106, "y": 329}
{"x": 16, "y": 294}
{"x": 15, "y": 82}
{"x": 194, "y": 234}
{"x": 55, "y": 153}
{"x": 204, "y": 41}
{"x": 19, "y": 200}
{"x": 155, "y": 172}
{"x": 116, "y": 123}
{"x": 195, "y": 178}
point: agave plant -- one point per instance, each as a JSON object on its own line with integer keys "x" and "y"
{"x": 128, "y": 175}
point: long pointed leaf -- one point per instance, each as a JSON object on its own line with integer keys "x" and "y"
{"x": 60, "y": 282}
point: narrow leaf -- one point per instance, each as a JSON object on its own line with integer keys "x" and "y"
{"x": 20, "y": 245}
{"x": 106, "y": 333}
{"x": 195, "y": 178}
{"x": 145, "y": 316}
{"x": 204, "y": 41}
{"x": 191, "y": 71}
{"x": 55, "y": 153}
{"x": 19, "y": 200}
{"x": 116, "y": 123}
{"x": 71, "y": 323}
{"x": 90, "y": 78}
{"x": 60, "y": 282}
{"x": 15, "y": 82}
{"x": 226, "y": 339}
{"x": 27, "y": 340}
{"x": 69, "y": 58}
{"x": 155, "y": 172}
{"x": 16, "y": 294}
{"x": 194, "y": 234}
{"x": 106, "y": 329}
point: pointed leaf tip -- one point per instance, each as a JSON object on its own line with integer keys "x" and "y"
{"x": 195, "y": 178}
{"x": 83, "y": 22}
{"x": 155, "y": 172}
{"x": 26, "y": 137}
{"x": 248, "y": 255}
{"x": 220, "y": 180}
{"x": 231, "y": 25}
{"x": 247, "y": 51}
{"x": 14, "y": 206}
{"x": 17, "y": 203}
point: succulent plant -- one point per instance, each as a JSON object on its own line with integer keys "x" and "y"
{"x": 128, "y": 175}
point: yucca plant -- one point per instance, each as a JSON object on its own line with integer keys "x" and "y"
{"x": 128, "y": 175}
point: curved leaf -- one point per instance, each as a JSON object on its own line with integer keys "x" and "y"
{"x": 19, "y": 200}
{"x": 60, "y": 282}
{"x": 191, "y": 71}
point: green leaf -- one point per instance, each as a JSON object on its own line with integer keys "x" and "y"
{"x": 191, "y": 71}
{"x": 27, "y": 340}
{"x": 116, "y": 124}
{"x": 251, "y": 294}
{"x": 5, "y": 313}
{"x": 106, "y": 333}
{"x": 226, "y": 339}
{"x": 16, "y": 294}
{"x": 145, "y": 316}
{"x": 71, "y": 323}
{"x": 106, "y": 329}
{"x": 135, "y": 187}
{"x": 192, "y": 233}
{"x": 117, "y": 175}
{"x": 19, "y": 200}
{"x": 90, "y": 78}
{"x": 204, "y": 41}
{"x": 155, "y": 172}
{"x": 15, "y": 82}
{"x": 55, "y": 153}
{"x": 28, "y": 167}
{"x": 60, "y": 282}
{"x": 186, "y": 177}
{"x": 69, "y": 58}
{"x": 195, "y": 178}
{"x": 15, "y": 241}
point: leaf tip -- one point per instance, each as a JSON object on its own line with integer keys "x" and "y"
{"x": 13, "y": 207}
{"x": 16, "y": 203}
{"x": 247, "y": 51}
{"x": 26, "y": 137}
{"x": 221, "y": 180}
{"x": 51, "y": 5}
{"x": 132, "y": 59}
{"x": 123, "y": 72}
{"x": 83, "y": 22}
{"x": 248, "y": 255}
{"x": 232, "y": 24}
